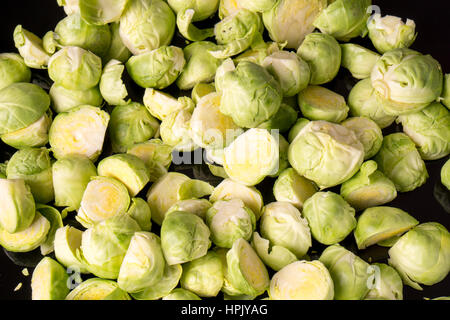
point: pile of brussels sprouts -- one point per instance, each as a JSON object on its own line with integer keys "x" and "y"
{"x": 87, "y": 150}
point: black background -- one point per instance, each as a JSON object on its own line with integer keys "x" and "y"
{"x": 433, "y": 26}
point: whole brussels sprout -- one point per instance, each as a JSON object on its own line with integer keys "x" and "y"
{"x": 367, "y": 132}
{"x": 13, "y": 69}
{"x": 49, "y": 281}
{"x": 164, "y": 287}
{"x": 445, "y": 174}
{"x": 98, "y": 289}
{"x": 387, "y": 284}
{"x": 117, "y": 50}
{"x": 30, "y": 48}
{"x": 203, "y": 8}
{"x": 358, "y": 60}
{"x": 65, "y": 99}
{"x": 97, "y": 12}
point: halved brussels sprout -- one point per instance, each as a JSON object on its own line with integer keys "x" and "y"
{"x": 49, "y": 281}
{"x": 445, "y": 174}
{"x": 275, "y": 257}
{"x": 117, "y": 50}
{"x": 297, "y": 127}
{"x": 198, "y": 207}
{"x": 55, "y": 219}
{"x": 161, "y": 104}
{"x": 98, "y": 289}
{"x": 203, "y": 8}
{"x": 101, "y": 12}
{"x": 282, "y": 120}
{"x": 111, "y": 84}
{"x": 367, "y": 132}
{"x": 190, "y": 31}
{"x": 67, "y": 243}
{"x": 302, "y": 280}
{"x": 175, "y": 131}
{"x": 169, "y": 281}
{"x": 200, "y": 90}
{"x": 358, "y": 60}
{"x": 387, "y": 284}
{"x": 31, "y": 48}
{"x": 13, "y": 69}
{"x": 293, "y": 188}
{"x": 65, "y": 99}
{"x": 181, "y": 294}
{"x": 140, "y": 212}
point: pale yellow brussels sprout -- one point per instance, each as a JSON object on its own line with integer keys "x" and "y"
{"x": 101, "y": 12}
{"x": 445, "y": 96}
{"x": 190, "y": 31}
{"x": 296, "y": 128}
{"x": 202, "y": 89}
{"x": 390, "y": 32}
{"x": 302, "y": 280}
{"x": 161, "y": 105}
{"x": 327, "y": 167}
{"x": 65, "y": 99}
{"x": 274, "y": 256}
{"x": 282, "y": 120}
{"x": 98, "y": 289}
{"x": 55, "y": 219}
{"x": 164, "y": 287}
{"x": 387, "y": 283}
{"x": 49, "y": 281}
{"x": 319, "y": 103}
{"x": 368, "y": 188}
{"x": 367, "y": 132}
{"x": 293, "y": 188}
{"x": 181, "y": 294}
{"x": 175, "y": 131}
{"x": 198, "y": 207}
{"x": 445, "y": 174}
{"x": 203, "y": 8}
{"x": 67, "y": 243}
{"x": 381, "y": 223}
{"x": 13, "y": 69}
{"x": 139, "y": 210}
{"x": 30, "y": 48}
{"x": 400, "y": 161}
{"x": 117, "y": 50}
{"x": 112, "y": 86}
{"x": 358, "y": 60}
{"x": 69, "y": 6}
{"x": 422, "y": 255}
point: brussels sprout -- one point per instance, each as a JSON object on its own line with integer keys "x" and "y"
{"x": 348, "y": 271}
{"x": 292, "y": 20}
{"x": 406, "y": 81}
{"x": 98, "y": 12}
{"x": 217, "y": 171}
{"x": 363, "y": 102}
{"x": 30, "y": 48}
{"x": 49, "y": 281}
{"x": 67, "y": 243}
{"x": 275, "y": 257}
{"x": 302, "y": 280}
{"x": 430, "y": 130}
{"x": 282, "y": 120}
{"x": 389, "y": 243}
{"x": 344, "y": 19}
{"x": 327, "y": 167}
{"x": 258, "y": 53}
{"x": 380, "y": 223}
{"x": 103, "y": 198}
{"x": 181, "y": 294}
{"x": 103, "y": 247}
{"x": 323, "y": 54}
{"x": 79, "y": 131}
{"x": 358, "y": 60}
{"x": 400, "y": 161}
{"x": 98, "y": 289}
{"x": 175, "y": 131}
{"x": 445, "y": 174}
{"x": 389, "y": 32}
{"x": 445, "y": 96}
{"x": 228, "y": 7}
{"x": 330, "y": 217}
{"x": 140, "y": 212}
{"x": 130, "y": 124}
{"x": 117, "y": 50}
{"x": 422, "y": 255}
{"x": 112, "y": 86}
{"x": 158, "y": 68}
{"x": 161, "y": 105}
{"x": 297, "y": 127}
{"x": 387, "y": 284}
{"x": 367, "y": 132}
{"x": 169, "y": 281}
{"x": 146, "y": 25}
{"x": 203, "y": 276}
{"x": 203, "y": 8}
{"x": 50, "y": 42}
{"x": 65, "y": 99}
{"x": 70, "y": 6}
{"x": 17, "y": 208}
{"x": 200, "y": 90}
{"x": 198, "y": 207}
{"x": 55, "y": 219}
{"x": 368, "y": 188}
{"x": 193, "y": 188}
{"x": 293, "y": 188}
{"x": 13, "y": 69}
{"x": 188, "y": 30}
{"x": 184, "y": 237}
{"x": 319, "y": 103}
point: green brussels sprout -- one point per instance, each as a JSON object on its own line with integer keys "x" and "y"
{"x": 190, "y": 31}
{"x": 319, "y": 103}
{"x": 406, "y": 81}
{"x": 430, "y": 130}
{"x": 275, "y": 257}
{"x": 297, "y": 127}
{"x": 31, "y": 48}
{"x": 203, "y": 8}
{"x": 193, "y": 188}
{"x": 344, "y": 19}
{"x": 363, "y": 102}
{"x": 258, "y": 53}
{"x": 75, "y": 68}
{"x": 203, "y": 276}
{"x": 161, "y": 105}
{"x": 381, "y": 223}
{"x": 98, "y": 289}
{"x": 67, "y": 244}
{"x": 422, "y": 255}
{"x": 367, "y": 132}
{"x": 112, "y": 86}
{"x": 184, "y": 237}
{"x": 117, "y": 50}
{"x": 228, "y": 7}
{"x": 327, "y": 167}
{"x": 445, "y": 174}
{"x": 65, "y": 99}
{"x": 69, "y": 6}
{"x": 323, "y": 54}
{"x": 400, "y": 161}
{"x": 389, "y": 32}
{"x": 302, "y": 280}
{"x": 140, "y": 212}
{"x": 200, "y": 90}
{"x": 293, "y": 188}
{"x": 358, "y": 60}
{"x": 330, "y": 217}
{"x": 50, "y": 42}
{"x": 348, "y": 271}
{"x": 143, "y": 264}
{"x": 368, "y": 188}
{"x": 98, "y": 12}
{"x": 13, "y": 69}
{"x": 387, "y": 284}
{"x": 289, "y": 70}
{"x": 445, "y": 96}
{"x": 181, "y": 294}
{"x": 146, "y": 25}
{"x": 291, "y": 21}
{"x": 198, "y": 207}
{"x": 217, "y": 171}
{"x": 49, "y": 281}
{"x": 34, "y": 166}
{"x": 103, "y": 247}
{"x": 389, "y": 243}
{"x": 175, "y": 131}
{"x": 282, "y": 120}
{"x": 79, "y": 131}
{"x": 158, "y": 68}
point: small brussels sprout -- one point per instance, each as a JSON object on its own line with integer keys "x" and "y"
{"x": 97, "y": 12}
{"x": 175, "y": 131}
{"x": 367, "y": 132}
{"x": 65, "y": 99}
{"x": 158, "y": 68}
{"x": 368, "y": 188}
{"x": 445, "y": 174}
{"x": 445, "y": 96}
{"x": 103, "y": 198}
{"x": 140, "y": 212}
{"x": 363, "y": 102}
{"x": 292, "y": 20}
{"x": 387, "y": 284}
{"x": 348, "y": 271}
{"x": 79, "y": 131}
{"x": 13, "y": 69}
{"x": 200, "y": 90}
{"x": 67, "y": 243}
{"x": 203, "y": 276}
{"x": 184, "y": 237}
{"x": 164, "y": 287}
{"x": 117, "y": 50}
{"x": 203, "y": 8}
{"x": 198, "y": 207}
{"x": 49, "y": 281}
{"x": 190, "y": 31}
{"x": 302, "y": 280}
{"x": 69, "y": 6}
{"x": 161, "y": 105}
{"x": 297, "y": 127}
{"x": 323, "y": 54}
{"x": 381, "y": 223}
{"x": 389, "y": 32}
{"x": 319, "y": 103}
{"x": 103, "y": 247}
{"x": 31, "y": 48}
{"x": 228, "y": 7}
{"x": 327, "y": 167}
{"x": 275, "y": 257}
{"x": 146, "y": 25}
{"x": 98, "y": 289}
{"x": 330, "y": 217}
{"x": 181, "y": 294}
{"x": 406, "y": 81}
{"x": 130, "y": 124}
{"x": 422, "y": 255}
{"x": 282, "y": 120}
{"x": 430, "y": 130}
{"x": 400, "y": 161}
{"x": 112, "y": 86}
{"x": 358, "y": 60}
